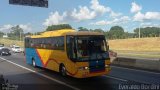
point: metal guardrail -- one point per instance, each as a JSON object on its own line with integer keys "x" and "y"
{"x": 148, "y": 64}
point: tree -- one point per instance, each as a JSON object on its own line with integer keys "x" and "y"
{"x": 28, "y": 33}
{"x": 116, "y": 32}
{"x": 1, "y": 34}
{"x": 107, "y": 35}
{"x": 82, "y": 29}
{"x": 128, "y": 35}
{"x": 58, "y": 27}
{"x": 98, "y": 30}
{"x": 16, "y": 33}
{"x": 147, "y": 32}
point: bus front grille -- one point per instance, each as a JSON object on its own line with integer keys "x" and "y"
{"x": 97, "y": 66}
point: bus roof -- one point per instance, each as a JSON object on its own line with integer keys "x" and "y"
{"x": 61, "y": 32}
{"x": 64, "y": 32}
{"x": 84, "y": 33}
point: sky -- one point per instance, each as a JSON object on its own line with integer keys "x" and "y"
{"x": 91, "y": 14}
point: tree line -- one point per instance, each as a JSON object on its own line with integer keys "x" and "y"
{"x": 115, "y": 32}
{"x": 148, "y": 32}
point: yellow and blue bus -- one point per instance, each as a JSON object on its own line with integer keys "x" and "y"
{"x": 78, "y": 54}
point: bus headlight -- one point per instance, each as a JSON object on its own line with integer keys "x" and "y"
{"x": 83, "y": 68}
{"x": 106, "y": 66}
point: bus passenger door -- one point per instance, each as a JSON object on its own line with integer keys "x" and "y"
{"x": 71, "y": 54}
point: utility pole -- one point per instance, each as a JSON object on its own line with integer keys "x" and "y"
{"x": 20, "y": 35}
{"x": 139, "y": 32}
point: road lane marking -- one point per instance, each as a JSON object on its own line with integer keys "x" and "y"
{"x": 136, "y": 70}
{"x": 116, "y": 78}
{"x": 40, "y": 74}
{"x": 2, "y": 61}
{"x": 124, "y": 80}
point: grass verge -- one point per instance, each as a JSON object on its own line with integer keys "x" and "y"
{"x": 8, "y": 42}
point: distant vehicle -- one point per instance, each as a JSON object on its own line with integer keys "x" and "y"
{"x": 77, "y": 54}
{"x": 17, "y": 49}
{"x": 5, "y": 51}
{"x": 112, "y": 53}
{"x": 1, "y": 46}
{"x": 13, "y": 45}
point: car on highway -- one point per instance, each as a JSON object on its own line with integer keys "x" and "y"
{"x": 112, "y": 53}
{"x": 17, "y": 49}
{"x": 1, "y": 46}
{"x": 5, "y": 51}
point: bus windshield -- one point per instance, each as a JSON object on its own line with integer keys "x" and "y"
{"x": 86, "y": 48}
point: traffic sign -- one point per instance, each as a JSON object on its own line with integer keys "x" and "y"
{"x": 37, "y": 3}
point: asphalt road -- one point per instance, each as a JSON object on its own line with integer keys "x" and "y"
{"x": 15, "y": 69}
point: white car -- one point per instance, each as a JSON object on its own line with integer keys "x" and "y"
{"x": 1, "y": 46}
{"x": 17, "y": 49}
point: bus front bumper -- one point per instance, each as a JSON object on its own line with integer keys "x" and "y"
{"x": 86, "y": 73}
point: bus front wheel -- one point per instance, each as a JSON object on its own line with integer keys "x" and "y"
{"x": 63, "y": 70}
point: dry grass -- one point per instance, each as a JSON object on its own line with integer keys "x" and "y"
{"x": 136, "y": 44}
{"x": 8, "y": 42}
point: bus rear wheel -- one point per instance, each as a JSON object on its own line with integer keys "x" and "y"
{"x": 63, "y": 70}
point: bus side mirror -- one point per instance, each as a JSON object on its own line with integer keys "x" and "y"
{"x": 108, "y": 47}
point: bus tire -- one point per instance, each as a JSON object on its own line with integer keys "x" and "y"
{"x": 63, "y": 70}
{"x": 33, "y": 63}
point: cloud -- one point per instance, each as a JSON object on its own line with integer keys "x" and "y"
{"x": 152, "y": 15}
{"x": 26, "y": 28}
{"x": 83, "y": 14}
{"x": 147, "y": 16}
{"x": 156, "y": 25}
{"x": 114, "y": 14}
{"x": 55, "y": 18}
{"x": 86, "y": 13}
{"x": 135, "y": 8}
{"x": 125, "y": 18}
{"x": 144, "y": 24}
{"x": 101, "y": 23}
{"x": 143, "y": 16}
{"x": 7, "y": 27}
{"x": 138, "y": 17}
{"x": 99, "y": 9}
{"x": 121, "y": 20}
{"x": 149, "y": 24}
{"x": 80, "y": 14}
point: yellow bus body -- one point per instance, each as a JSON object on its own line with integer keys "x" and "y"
{"x": 52, "y": 59}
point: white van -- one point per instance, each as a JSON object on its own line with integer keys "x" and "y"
{"x": 1, "y": 46}
{"x": 16, "y": 49}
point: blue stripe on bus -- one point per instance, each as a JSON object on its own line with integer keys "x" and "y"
{"x": 31, "y": 53}
{"x": 97, "y": 65}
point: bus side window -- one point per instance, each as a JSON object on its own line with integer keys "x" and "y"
{"x": 31, "y": 43}
{"x": 27, "y": 45}
{"x": 71, "y": 45}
